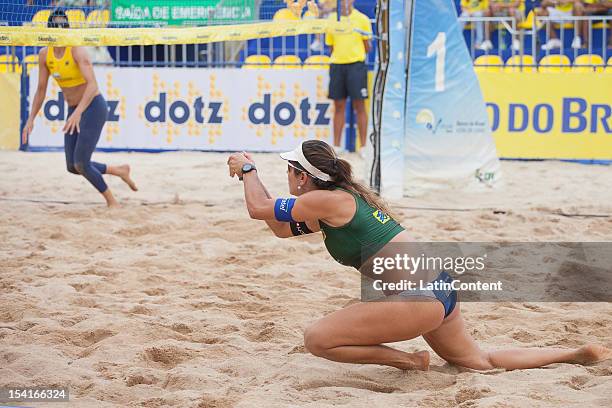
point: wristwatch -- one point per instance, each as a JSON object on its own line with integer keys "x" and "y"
{"x": 247, "y": 167}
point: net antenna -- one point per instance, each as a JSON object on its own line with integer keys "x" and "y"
{"x": 382, "y": 38}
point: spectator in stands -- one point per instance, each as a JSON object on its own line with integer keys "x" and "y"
{"x": 557, "y": 9}
{"x": 478, "y": 8}
{"x": 348, "y": 74}
{"x": 509, "y": 8}
{"x": 595, "y": 8}
{"x": 292, "y": 12}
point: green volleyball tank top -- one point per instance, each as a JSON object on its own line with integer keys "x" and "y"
{"x": 366, "y": 233}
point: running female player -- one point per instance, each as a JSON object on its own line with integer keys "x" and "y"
{"x": 352, "y": 219}
{"x": 87, "y": 110}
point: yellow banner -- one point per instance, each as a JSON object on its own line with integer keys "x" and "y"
{"x": 550, "y": 115}
{"x": 10, "y": 111}
{"x": 42, "y": 36}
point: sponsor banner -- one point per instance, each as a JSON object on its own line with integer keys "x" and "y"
{"x": 182, "y": 12}
{"x": 213, "y": 109}
{"x": 41, "y": 36}
{"x": 10, "y": 111}
{"x": 550, "y": 115}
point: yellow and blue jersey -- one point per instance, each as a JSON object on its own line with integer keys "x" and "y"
{"x": 65, "y": 69}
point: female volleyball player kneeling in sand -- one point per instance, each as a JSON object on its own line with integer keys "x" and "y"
{"x": 352, "y": 217}
{"x": 87, "y": 110}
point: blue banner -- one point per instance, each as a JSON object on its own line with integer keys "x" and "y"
{"x": 448, "y": 139}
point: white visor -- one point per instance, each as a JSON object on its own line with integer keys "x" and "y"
{"x": 297, "y": 155}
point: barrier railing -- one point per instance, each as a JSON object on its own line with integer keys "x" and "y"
{"x": 535, "y": 38}
{"x": 576, "y": 22}
{"x": 509, "y": 25}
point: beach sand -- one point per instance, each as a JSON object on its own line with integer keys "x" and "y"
{"x": 179, "y": 299}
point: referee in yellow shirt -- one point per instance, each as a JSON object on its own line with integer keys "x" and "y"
{"x": 348, "y": 74}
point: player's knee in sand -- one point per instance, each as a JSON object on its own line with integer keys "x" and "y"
{"x": 314, "y": 341}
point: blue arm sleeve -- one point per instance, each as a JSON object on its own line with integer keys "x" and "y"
{"x": 282, "y": 209}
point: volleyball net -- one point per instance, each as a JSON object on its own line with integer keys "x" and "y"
{"x": 148, "y": 22}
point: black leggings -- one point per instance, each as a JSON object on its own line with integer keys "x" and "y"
{"x": 80, "y": 146}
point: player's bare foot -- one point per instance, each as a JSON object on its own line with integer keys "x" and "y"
{"x": 111, "y": 202}
{"x": 592, "y": 353}
{"x": 123, "y": 171}
{"x": 417, "y": 361}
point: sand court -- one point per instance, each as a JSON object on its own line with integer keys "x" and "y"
{"x": 179, "y": 299}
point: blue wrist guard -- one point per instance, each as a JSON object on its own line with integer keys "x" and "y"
{"x": 282, "y": 209}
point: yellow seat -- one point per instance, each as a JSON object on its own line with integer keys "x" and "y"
{"x": 257, "y": 62}
{"x": 317, "y": 62}
{"x": 9, "y": 63}
{"x": 98, "y": 18}
{"x": 30, "y": 62}
{"x": 76, "y": 18}
{"x": 520, "y": 63}
{"x": 41, "y": 18}
{"x": 554, "y": 63}
{"x": 586, "y": 63}
{"x": 284, "y": 15}
{"x": 287, "y": 62}
{"x": 488, "y": 63}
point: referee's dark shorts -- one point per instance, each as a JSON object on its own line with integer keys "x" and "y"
{"x": 348, "y": 80}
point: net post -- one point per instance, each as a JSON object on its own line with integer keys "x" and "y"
{"x": 382, "y": 27}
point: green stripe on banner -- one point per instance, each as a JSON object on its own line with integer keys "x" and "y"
{"x": 183, "y": 12}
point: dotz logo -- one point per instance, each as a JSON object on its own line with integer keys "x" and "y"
{"x": 116, "y": 108}
{"x": 168, "y": 110}
{"x": 274, "y": 113}
{"x": 55, "y": 111}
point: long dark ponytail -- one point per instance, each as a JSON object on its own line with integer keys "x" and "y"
{"x": 322, "y": 156}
